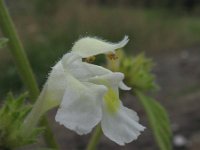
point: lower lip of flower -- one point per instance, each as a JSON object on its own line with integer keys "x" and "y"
{"x": 112, "y": 101}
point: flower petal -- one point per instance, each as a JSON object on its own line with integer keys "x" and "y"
{"x": 74, "y": 65}
{"x": 56, "y": 84}
{"x": 121, "y": 127}
{"x": 82, "y": 70}
{"x": 70, "y": 58}
{"x": 88, "y": 46}
{"x": 110, "y": 80}
{"x": 123, "y": 86}
{"x": 80, "y": 109}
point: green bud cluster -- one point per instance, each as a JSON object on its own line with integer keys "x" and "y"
{"x": 12, "y": 115}
{"x": 137, "y": 70}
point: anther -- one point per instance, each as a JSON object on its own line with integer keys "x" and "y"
{"x": 90, "y": 59}
{"x": 112, "y": 56}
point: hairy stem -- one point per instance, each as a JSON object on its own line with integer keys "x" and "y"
{"x": 18, "y": 52}
{"x": 23, "y": 65}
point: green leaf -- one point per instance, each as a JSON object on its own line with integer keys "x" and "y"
{"x": 12, "y": 115}
{"x": 3, "y": 42}
{"x": 158, "y": 119}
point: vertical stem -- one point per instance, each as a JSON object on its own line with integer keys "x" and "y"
{"x": 23, "y": 65}
{"x": 18, "y": 52}
{"x": 95, "y": 138}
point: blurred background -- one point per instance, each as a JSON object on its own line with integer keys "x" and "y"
{"x": 166, "y": 30}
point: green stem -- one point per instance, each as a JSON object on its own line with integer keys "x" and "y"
{"x": 23, "y": 65}
{"x": 18, "y": 52}
{"x": 40, "y": 107}
{"x": 95, "y": 138}
{"x": 34, "y": 115}
{"x": 48, "y": 134}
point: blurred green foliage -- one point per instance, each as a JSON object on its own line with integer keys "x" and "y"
{"x": 187, "y": 5}
{"x": 48, "y": 31}
{"x": 3, "y": 42}
{"x": 12, "y": 115}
